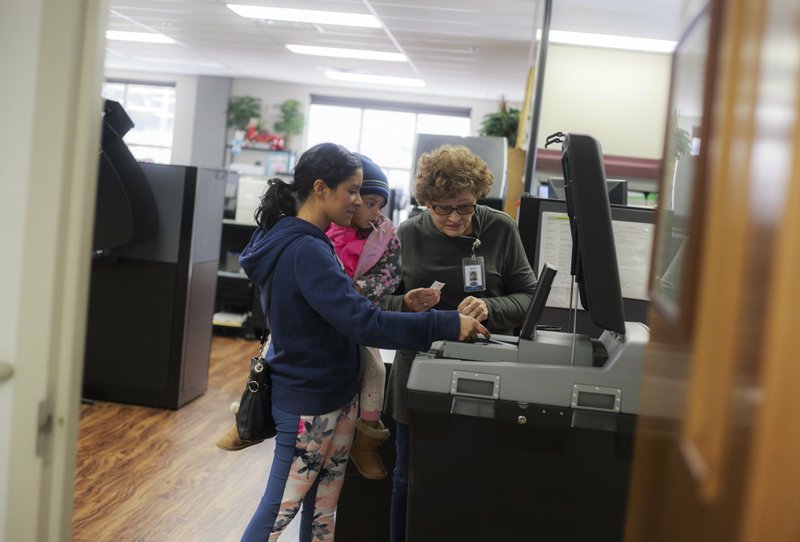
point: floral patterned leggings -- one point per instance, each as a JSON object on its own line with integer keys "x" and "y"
{"x": 372, "y": 384}
{"x": 310, "y": 459}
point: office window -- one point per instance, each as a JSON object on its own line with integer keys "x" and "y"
{"x": 384, "y": 131}
{"x": 335, "y": 124}
{"x": 151, "y": 107}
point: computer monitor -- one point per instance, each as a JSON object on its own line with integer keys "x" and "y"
{"x": 492, "y": 150}
{"x": 538, "y": 302}
{"x": 594, "y": 253}
{"x": 555, "y": 188}
{"x": 494, "y": 203}
{"x": 617, "y": 191}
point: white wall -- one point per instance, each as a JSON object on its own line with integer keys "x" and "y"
{"x": 273, "y": 93}
{"x": 619, "y": 97}
{"x": 210, "y": 118}
{"x": 16, "y": 133}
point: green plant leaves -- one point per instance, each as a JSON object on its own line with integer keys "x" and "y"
{"x": 241, "y": 109}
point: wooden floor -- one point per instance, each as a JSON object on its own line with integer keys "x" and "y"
{"x": 146, "y": 474}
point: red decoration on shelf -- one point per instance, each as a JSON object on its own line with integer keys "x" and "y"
{"x": 254, "y": 135}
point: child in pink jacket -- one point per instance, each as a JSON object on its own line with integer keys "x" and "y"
{"x": 370, "y": 252}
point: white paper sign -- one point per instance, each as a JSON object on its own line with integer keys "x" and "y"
{"x": 634, "y": 245}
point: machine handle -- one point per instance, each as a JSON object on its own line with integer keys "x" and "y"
{"x": 478, "y": 408}
{"x": 595, "y": 421}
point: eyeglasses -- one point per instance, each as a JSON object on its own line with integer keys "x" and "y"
{"x": 445, "y": 210}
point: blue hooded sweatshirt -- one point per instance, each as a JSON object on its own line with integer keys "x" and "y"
{"x": 318, "y": 319}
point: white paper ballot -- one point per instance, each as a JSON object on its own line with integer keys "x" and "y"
{"x": 437, "y": 285}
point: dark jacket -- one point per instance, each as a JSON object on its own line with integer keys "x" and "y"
{"x": 430, "y": 255}
{"x": 318, "y": 319}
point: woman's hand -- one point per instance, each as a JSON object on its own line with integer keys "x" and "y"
{"x": 470, "y": 328}
{"x": 421, "y": 299}
{"x": 475, "y": 307}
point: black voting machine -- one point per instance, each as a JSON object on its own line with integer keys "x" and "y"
{"x": 532, "y": 439}
{"x": 155, "y": 259}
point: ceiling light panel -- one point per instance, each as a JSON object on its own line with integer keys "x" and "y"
{"x": 337, "y": 52}
{"x": 306, "y": 16}
{"x": 140, "y": 37}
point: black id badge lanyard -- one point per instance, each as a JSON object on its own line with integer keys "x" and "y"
{"x": 473, "y": 271}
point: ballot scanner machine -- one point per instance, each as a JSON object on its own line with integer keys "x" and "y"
{"x": 531, "y": 437}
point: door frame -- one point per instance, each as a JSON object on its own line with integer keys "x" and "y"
{"x": 52, "y": 110}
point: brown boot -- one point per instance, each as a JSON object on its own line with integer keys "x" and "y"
{"x": 230, "y": 441}
{"x": 365, "y": 454}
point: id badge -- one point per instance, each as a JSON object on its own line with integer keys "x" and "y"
{"x": 474, "y": 274}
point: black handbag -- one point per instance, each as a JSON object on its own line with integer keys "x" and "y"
{"x": 254, "y": 420}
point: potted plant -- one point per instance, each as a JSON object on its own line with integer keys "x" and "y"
{"x": 291, "y": 122}
{"x": 241, "y": 109}
{"x": 504, "y": 123}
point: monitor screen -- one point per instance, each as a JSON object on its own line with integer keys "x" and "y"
{"x": 543, "y": 191}
{"x": 493, "y": 151}
{"x": 594, "y": 254}
{"x": 536, "y": 308}
{"x": 555, "y": 188}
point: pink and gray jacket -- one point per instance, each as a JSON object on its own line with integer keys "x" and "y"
{"x": 373, "y": 262}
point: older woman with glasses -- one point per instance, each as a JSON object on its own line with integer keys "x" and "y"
{"x": 475, "y": 252}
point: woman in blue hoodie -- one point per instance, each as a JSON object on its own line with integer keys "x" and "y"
{"x": 318, "y": 320}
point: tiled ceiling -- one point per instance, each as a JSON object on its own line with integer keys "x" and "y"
{"x": 466, "y": 48}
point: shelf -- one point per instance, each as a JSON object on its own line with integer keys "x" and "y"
{"x": 236, "y": 293}
{"x": 230, "y": 319}
{"x": 251, "y": 148}
{"x": 232, "y": 275}
{"x": 276, "y": 162}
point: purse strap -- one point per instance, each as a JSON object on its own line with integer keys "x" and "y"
{"x": 262, "y": 342}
